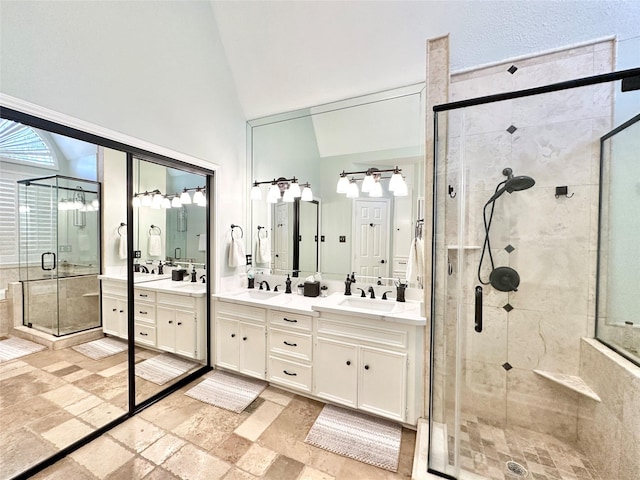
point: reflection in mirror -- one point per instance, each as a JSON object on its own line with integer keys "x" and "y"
{"x": 57, "y": 384}
{"x": 169, "y": 307}
{"x": 381, "y": 131}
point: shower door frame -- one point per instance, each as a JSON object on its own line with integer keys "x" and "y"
{"x": 436, "y": 260}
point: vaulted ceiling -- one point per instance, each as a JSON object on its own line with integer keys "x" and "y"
{"x": 286, "y": 55}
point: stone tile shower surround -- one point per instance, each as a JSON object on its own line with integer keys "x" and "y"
{"x": 551, "y": 242}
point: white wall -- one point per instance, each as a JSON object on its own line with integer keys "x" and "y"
{"x": 152, "y": 70}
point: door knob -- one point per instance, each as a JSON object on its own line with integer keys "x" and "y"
{"x": 348, "y": 362}
{"x": 382, "y": 261}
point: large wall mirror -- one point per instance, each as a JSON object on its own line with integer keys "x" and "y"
{"x": 325, "y": 231}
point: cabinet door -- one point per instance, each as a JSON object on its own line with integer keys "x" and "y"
{"x": 382, "y": 382}
{"x": 253, "y": 343}
{"x": 227, "y": 336}
{"x": 336, "y": 371}
{"x": 185, "y": 334}
{"x": 166, "y": 329}
{"x": 114, "y": 316}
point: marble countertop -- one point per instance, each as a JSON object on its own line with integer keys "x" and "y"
{"x": 161, "y": 283}
{"x": 386, "y": 310}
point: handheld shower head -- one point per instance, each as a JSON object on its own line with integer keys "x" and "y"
{"x": 512, "y": 184}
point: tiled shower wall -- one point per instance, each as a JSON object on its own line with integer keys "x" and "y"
{"x": 550, "y": 241}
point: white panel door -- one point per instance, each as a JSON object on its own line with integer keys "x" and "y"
{"x": 281, "y": 237}
{"x": 370, "y": 247}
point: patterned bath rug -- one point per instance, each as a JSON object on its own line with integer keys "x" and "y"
{"x": 101, "y": 348}
{"x": 356, "y": 435}
{"x": 163, "y": 368}
{"x": 15, "y": 347}
{"x": 227, "y": 391}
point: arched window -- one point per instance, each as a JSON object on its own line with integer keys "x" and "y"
{"x": 22, "y": 144}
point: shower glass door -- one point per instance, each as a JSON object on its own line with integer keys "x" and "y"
{"x": 515, "y": 261}
{"x": 59, "y": 253}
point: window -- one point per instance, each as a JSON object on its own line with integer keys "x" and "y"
{"x": 22, "y": 144}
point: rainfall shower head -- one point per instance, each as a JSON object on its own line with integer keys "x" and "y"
{"x": 512, "y": 184}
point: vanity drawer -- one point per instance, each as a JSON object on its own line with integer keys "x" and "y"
{"x": 114, "y": 288}
{"x": 290, "y": 344}
{"x": 290, "y": 320}
{"x": 144, "y": 295}
{"x": 145, "y": 334}
{"x": 290, "y": 374}
{"x": 145, "y": 312}
{"x": 177, "y": 300}
{"x": 240, "y": 312}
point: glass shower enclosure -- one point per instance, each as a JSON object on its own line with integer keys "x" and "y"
{"x": 59, "y": 242}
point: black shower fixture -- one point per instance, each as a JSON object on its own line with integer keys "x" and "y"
{"x": 504, "y": 279}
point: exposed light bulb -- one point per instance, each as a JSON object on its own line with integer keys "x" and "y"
{"x": 307, "y": 194}
{"x": 367, "y": 183}
{"x": 352, "y": 191}
{"x": 343, "y": 184}
{"x": 175, "y": 201}
{"x": 185, "y": 198}
{"x": 256, "y": 192}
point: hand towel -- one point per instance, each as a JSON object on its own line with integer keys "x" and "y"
{"x": 237, "y": 257}
{"x": 202, "y": 242}
{"x": 263, "y": 250}
{"x": 155, "y": 245}
{"x": 415, "y": 264}
{"x": 122, "y": 246}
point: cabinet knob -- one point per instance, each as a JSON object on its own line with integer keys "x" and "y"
{"x": 366, "y": 367}
{"x": 244, "y": 338}
{"x": 170, "y": 322}
{"x": 115, "y": 309}
{"x": 121, "y": 311}
{"x": 348, "y": 362}
{"x": 179, "y": 323}
{"x": 233, "y": 335}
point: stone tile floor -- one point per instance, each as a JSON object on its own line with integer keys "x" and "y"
{"x": 52, "y": 398}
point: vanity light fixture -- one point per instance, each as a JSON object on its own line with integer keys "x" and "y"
{"x": 396, "y": 180}
{"x": 156, "y": 199}
{"x": 376, "y": 190}
{"x": 287, "y": 189}
{"x": 343, "y": 183}
{"x": 307, "y": 194}
{"x": 294, "y": 188}
{"x": 274, "y": 193}
{"x": 352, "y": 190}
{"x": 369, "y": 181}
{"x": 136, "y": 202}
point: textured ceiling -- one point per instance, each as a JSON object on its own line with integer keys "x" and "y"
{"x": 286, "y": 55}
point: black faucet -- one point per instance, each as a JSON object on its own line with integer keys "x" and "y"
{"x": 266, "y": 283}
{"x": 384, "y": 295}
{"x": 362, "y": 294}
{"x": 372, "y": 292}
{"x": 347, "y": 285}
{"x": 203, "y": 278}
{"x": 275, "y": 289}
{"x": 144, "y": 269}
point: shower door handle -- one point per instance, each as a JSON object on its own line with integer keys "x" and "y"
{"x": 42, "y": 261}
{"x": 478, "y": 325}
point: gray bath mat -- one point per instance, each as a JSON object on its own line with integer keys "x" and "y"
{"x": 14, "y": 347}
{"x": 227, "y": 391}
{"x": 101, "y": 348}
{"x": 163, "y": 368}
{"x": 358, "y": 436}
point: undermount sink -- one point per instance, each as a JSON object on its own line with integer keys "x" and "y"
{"x": 256, "y": 295}
{"x": 384, "y": 306}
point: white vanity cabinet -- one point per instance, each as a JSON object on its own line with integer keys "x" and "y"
{"x": 364, "y": 364}
{"x": 290, "y": 350}
{"x": 114, "y": 309}
{"x": 240, "y": 338}
{"x": 180, "y": 322}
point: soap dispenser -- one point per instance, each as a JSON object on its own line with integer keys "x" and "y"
{"x": 287, "y": 284}
{"x": 194, "y": 275}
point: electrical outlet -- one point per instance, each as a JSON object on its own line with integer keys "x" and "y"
{"x": 343, "y": 238}
{"x": 137, "y": 254}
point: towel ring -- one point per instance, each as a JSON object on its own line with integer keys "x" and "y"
{"x": 122, "y": 224}
{"x": 153, "y": 229}
{"x": 237, "y": 226}
{"x": 266, "y": 232}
